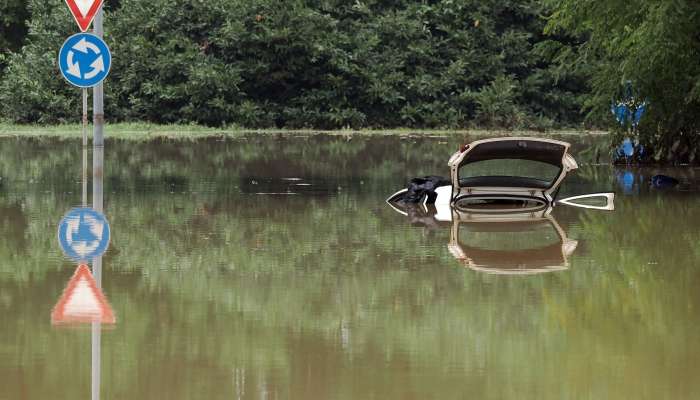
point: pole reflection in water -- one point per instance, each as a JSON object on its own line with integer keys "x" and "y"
{"x": 83, "y": 301}
{"x": 97, "y": 204}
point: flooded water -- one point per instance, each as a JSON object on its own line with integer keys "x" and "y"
{"x": 271, "y": 268}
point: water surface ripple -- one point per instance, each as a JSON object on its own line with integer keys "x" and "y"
{"x": 270, "y": 268}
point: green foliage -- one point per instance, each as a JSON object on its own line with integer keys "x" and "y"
{"x": 652, "y": 43}
{"x": 496, "y": 104}
{"x": 318, "y": 64}
{"x": 13, "y": 16}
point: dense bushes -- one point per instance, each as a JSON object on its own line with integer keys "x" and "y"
{"x": 13, "y": 14}
{"x": 319, "y": 64}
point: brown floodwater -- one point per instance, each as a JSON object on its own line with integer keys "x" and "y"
{"x": 271, "y": 268}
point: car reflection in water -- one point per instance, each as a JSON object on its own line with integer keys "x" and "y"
{"x": 516, "y": 243}
{"x": 497, "y": 238}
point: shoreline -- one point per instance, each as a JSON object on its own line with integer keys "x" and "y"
{"x": 142, "y": 131}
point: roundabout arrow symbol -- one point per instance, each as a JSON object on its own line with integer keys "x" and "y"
{"x": 97, "y": 67}
{"x": 83, "y": 46}
{"x": 73, "y": 69}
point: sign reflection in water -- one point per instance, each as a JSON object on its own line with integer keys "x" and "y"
{"x": 82, "y": 301}
{"x": 84, "y": 235}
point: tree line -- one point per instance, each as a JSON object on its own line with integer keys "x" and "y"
{"x": 307, "y": 64}
{"x": 328, "y": 64}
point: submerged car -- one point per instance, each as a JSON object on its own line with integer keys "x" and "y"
{"x": 502, "y": 192}
{"x": 516, "y": 170}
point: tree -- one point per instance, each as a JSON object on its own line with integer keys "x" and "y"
{"x": 307, "y": 64}
{"x": 655, "y": 45}
{"x": 13, "y": 17}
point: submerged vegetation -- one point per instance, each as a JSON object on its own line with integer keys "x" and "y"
{"x": 507, "y": 64}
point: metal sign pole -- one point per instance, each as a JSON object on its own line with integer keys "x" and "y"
{"x": 97, "y": 201}
{"x": 98, "y": 149}
{"x": 98, "y": 117}
{"x": 77, "y": 73}
{"x": 85, "y": 126}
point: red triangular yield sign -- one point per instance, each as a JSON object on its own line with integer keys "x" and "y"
{"x": 84, "y": 11}
{"x": 82, "y": 301}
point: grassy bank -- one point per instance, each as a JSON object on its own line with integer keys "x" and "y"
{"x": 142, "y": 131}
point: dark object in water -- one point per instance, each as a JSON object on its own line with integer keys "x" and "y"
{"x": 419, "y": 188}
{"x": 663, "y": 181}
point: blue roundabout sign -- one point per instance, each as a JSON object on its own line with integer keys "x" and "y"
{"x": 84, "y": 60}
{"x": 83, "y": 234}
